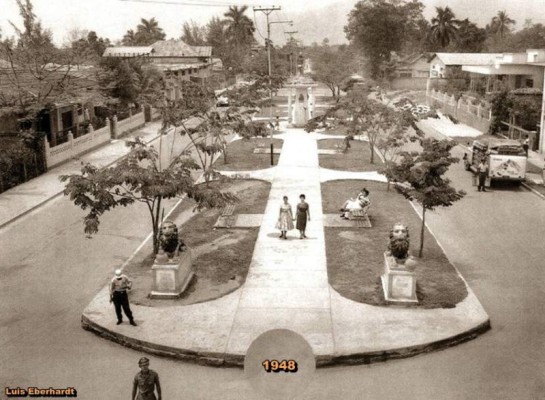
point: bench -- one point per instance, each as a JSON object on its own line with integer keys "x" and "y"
{"x": 227, "y": 219}
{"x": 228, "y": 210}
{"x": 360, "y": 217}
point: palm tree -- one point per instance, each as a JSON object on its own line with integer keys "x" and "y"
{"x": 444, "y": 27}
{"x": 148, "y": 32}
{"x": 240, "y": 29}
{"x": 501, "y": 24}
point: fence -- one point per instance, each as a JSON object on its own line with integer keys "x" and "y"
{"x": 128, "y": 124}
{"x": 517, "y": 133}
{"x": 74, "y": 147}
{"x": 476, "y": 116}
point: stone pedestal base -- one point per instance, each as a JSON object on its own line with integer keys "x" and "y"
{"x": 398, "y": 283}
{"x": 171, "y": 278}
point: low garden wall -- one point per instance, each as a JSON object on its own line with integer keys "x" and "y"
{"x": 129, "y": 124}
{"x": 74, "y": 147}
{"x": 476, "y": 116}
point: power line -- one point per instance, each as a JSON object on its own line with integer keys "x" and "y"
{"x": 257, "y": 28}
{"x": 196, "y": 3}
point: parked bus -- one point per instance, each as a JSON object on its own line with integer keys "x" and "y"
{"x": 506, "y": 159}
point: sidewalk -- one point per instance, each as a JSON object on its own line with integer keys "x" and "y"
{"x": 20, "y": 200}
{"x": 444, "y": 128}
{"x": 287, "y": 287}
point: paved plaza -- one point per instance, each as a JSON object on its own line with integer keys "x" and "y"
{"x": 287, "y": 287}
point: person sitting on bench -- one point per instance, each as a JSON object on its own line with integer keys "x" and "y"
{"x": 362, "y": 202}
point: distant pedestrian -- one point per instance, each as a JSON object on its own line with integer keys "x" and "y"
{"x": 302, "y": 215}
{"x": 482, "y": 171}
{"x": 277, "y": 123}
{"x": 285, "y": 218}
{"x": 526, "y": 146}
{"x": 465, "y": 159}
{"x": 119, "y": 287}
{"x": 145, "y": 382}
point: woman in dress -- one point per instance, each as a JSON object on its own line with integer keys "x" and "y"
{"x": 285, "y": 218}
{"x": 362, "y": 202}
{"x": 302, "y": 215}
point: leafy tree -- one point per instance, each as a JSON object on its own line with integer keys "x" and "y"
{"x": 444, "y": 28}
{"x": 130, "y": 81}
{"x": 397, "y": 135}
{"x": 209, "y": 136}
{"x": 531, "y": 37}
{"x": 193, "y": 34}
{"x": 215, "y": 36}
{"x": 500, "y": 104}
{"x": 333, "y": 66}
{"x": 88, "y": 47}
{"x": 470, "y": 38}
{"x": 422, "y": 179}
{"x": 138, "y": 178}
{"x": 378, "y": 27}
{"x": 38, "y": 73}
{"x": 129, "y": 38}
{"x": 358, "y": 115}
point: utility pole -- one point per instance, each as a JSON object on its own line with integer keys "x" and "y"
{"x": 267, "y": 11}
{"x": 291, "y": 50}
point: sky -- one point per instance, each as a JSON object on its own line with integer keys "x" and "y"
{"x": 313, "y": 20}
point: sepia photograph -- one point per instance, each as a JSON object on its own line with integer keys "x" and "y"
{"x": 246, "y": 200}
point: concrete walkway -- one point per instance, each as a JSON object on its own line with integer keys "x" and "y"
{"x": 25, "y": 197}
{"x": 287, "y": 287}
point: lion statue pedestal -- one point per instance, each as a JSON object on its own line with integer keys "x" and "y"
{"x": 172, "y": 270}
{"x": 399, "y": 279}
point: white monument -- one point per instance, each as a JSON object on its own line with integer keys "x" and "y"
{"x": 300, "y": 102}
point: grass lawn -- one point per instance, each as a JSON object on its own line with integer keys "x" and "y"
{"x": 355, "y": 258}
{"x": 356, "y": 159}
{"x": 221, "y": 258}
{"x": 241, "y": 156}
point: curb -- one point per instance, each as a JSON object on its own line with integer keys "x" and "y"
{"x": 533, "y": 190}
{"x": 237, "y": 360}
{"x": 28, "y": 211}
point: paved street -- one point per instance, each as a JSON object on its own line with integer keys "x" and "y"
{"x": 50, "y": 272}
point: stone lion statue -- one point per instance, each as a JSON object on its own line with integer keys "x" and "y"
{"x": 399, "y": 242}
{"x": 169, "y": 241}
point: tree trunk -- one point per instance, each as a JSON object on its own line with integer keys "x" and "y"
{"x": 388, "y": 186}
{"x": 156, "y": 222}
{"x": 421, "y": 251}
{"x": 372, "y": 146}
{"x": 332, "y": 88}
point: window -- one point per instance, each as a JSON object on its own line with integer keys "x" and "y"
{"x": 529, "y": 83}
{"x": 405, "y": 75}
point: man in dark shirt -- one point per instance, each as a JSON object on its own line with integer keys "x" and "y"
{"x": 145, "y": 382}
